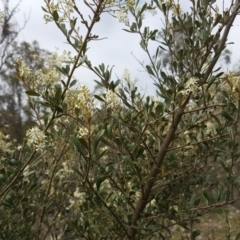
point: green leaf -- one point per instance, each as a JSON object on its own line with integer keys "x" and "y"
{"x": 208, "y": 40}
{"x": 128, "y": 160}
{"x": 73, "y": 83}
{"x": 73, "y": 23}
{"x": 97, "y": 139}
{"x": 99, "y": 83}
{"x": 142, "y": 9}
{"x": 44, "y": 9}
{"x": 58, "y": 109}
{"x": 76, "y": 170}
{"x": 190, "y": 31}
{"x": 99, "y": 181}
{"x": 163, "y": 74}
{"x": 142, "y": 44}
{"x": 62, "y": 70}
{"x": 67, "y": 69}
{"x": 82, "y": 60}
{"x": 55, "y": 16}
{"x": 63, "y": 28}
{"x": 150, "y": 71}
{"x": 102, "y": 67}
{"x": 58, "y": 93}
{"x": 99, "y": 98}
{"x": 127, "y": 30}
{"x": 159, "y": 110}
{"x": 195, "y": 233}
{"x": 109, "y": 130}
{"x": 222, "y": 194}
{"x": 117, "y": 83}
{"x": 226, "y": 115}
{"x": 217, "y": 20}
{"x": 76, "y": 43}
{"x": 78, "y": 146}
{"x": 32, "y": 93}
{"x": 211, "y": 81}
{"x": 83, "y": 143}
{"x": 140, "y": 152}
{"x": 216, "y": 118}
{"x": 133, "y": 27}
{"x": 205, "y": 194}
{"x": 102, "y": 154}
{"x": 153, "y": 34}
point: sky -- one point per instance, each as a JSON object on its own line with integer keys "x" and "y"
{"x": 119, "y": 48}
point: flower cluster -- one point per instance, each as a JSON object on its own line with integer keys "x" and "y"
{"x": 37, "y": 137}
{"x": 64, "y": 8}
{"x": 80, "y": 196}
{"x": 153, "y": 11}
{"x": 77, "y": 200}
{"x": 47, "y": 76}
{"x": 191, "y": 86}
{"x": 23, "y": 70}
{"x": 71, "y": 96}
{"x": 127, "y": 79}
{"x": 122, "y": 16}
{"x": 111, "y": 99}
{"x": 85, "y": 102}
{"x": 82, "y": 132}
{"x": 5, "y": 145}
{"x": 126, "y": 75}
{"x": 65, "y": 171}
{"x": 211, "y": 129}
{"x": 216, "y": 10}
{"x": 174, "y": 7}
{"x": 233, "y": 82}
{"x": 130, "y": 3}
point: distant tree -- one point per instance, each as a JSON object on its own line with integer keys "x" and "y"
{"x": 14, "y": 106}
{"x": 9, "y": 29}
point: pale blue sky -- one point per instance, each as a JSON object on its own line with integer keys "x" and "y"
{"x": 116, "y": 50}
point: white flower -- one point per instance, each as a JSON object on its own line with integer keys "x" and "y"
{"x": 122, "y": 16}
{"x": 126, "y": 75}
{"x": 210, "y": 128}
{"x": 79, "y": 195}
{"x": 26, "y": 171}
{"x": 153, "y": 11}
{"x": 47, "y": 18}
{"x": 85, "y": 102}
{"x": 191, "y": 86}
{"x": 5, "y": 146}
{"x": 111, "y": 99}
{"x": 106, "y": 185}
{"x": 19, "y": 147}
{"x": 37, "y": 137}
{"x": 82, "y": 132}
{"x": 130, "y": 3}
{"x": 56, "y": 128}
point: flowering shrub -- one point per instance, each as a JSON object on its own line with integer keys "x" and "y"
{"x": 119, "y": 164}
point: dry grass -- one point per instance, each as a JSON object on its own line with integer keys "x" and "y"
{"x": 224, "y": 226}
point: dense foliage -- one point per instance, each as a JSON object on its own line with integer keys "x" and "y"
{"x": 120, "y": 164}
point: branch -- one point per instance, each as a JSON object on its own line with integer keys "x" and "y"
{"x": 142, "y": 202}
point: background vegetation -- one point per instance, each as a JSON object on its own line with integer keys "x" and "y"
{"x": 120, "y": 164}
